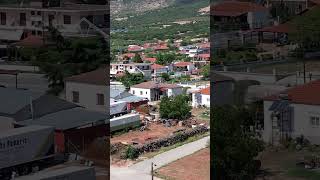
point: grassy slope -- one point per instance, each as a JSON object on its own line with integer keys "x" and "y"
{"x": 148, "y": 25}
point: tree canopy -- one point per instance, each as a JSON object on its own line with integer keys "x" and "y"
{"x": 234, "y": 147}
{"x": 175, "y": 107}
{"x": 130, "y": 79}
{"x": 67, "y": 57}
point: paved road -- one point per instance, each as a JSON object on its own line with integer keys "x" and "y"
{"x": 143, "y": 169}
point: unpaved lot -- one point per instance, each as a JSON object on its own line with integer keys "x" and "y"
{"x": 155, "y": 131}
{"x": 193, "y": 167}
{"x": 281, "y": 165}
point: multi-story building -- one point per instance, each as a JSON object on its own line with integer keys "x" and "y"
{"x": 120, "y": 68}
{"x": 153, "y": 91}
{"x": 20, "y": 20}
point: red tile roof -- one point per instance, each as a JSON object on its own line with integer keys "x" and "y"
{"x": 281, "y": 28}
{"x": 152, "y": 60}
{"x": 204, "y": 56}
{"x": 303, "y": 94}
{"x": 129, "y": 55}
{"x": 161, "y": 47}
{"x": 154, "y": 85}
{"x": 205, "y": 91}
{"x": 132, "y": 48}
{"x": 157, "y": 66}
{"x": 182, "y": 64}
{"x": 31, "y": 41}
{"x": 97, "y": 77}
{"x": 235, "y": 8}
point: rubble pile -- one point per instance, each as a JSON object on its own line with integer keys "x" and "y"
{"x": 170, "y": 140}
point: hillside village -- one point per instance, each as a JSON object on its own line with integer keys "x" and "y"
{"x": 146, "y": 73}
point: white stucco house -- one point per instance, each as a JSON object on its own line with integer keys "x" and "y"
{"x": 183, "y": 67}
{"x": 201, "y": 98}
{"x": 293, "y": 113}
{"x": 89, "y": 90}
{"x": 153, "y": 91}
{"x": 158, "y": 69}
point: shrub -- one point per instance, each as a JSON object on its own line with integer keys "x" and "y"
{"x": 131, "y": 153}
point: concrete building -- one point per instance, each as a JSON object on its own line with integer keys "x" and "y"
{"x": 235, "y": 15}
{"x": 120, "y": 68}
{"x": 89, "y": 90}
{"x": 186, "y": 67}
{"x": 158, "y": 69}
{"x": 153, "y": 91}
{"x": 20, "y": 20}
{"x": 201, "y": 98}
{"x": 293, "y": 113}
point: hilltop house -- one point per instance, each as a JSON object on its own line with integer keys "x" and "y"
{"x": 19, "y": 20}
{"x": 158, "y": 69}
{"x": 120, "y": 68}
{"x": 88, "y": 90}
{"x": 201, "y": 98}
{"x": 185, "y": 67}
{"x": 292, "y": 113}
{"x": 235, "y": 15}
{"x": 153, "y": 91}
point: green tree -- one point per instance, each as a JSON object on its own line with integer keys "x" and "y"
{"x": 233, "y": 145}
{"x": 137, "y": 58}
{"x": 205, "y": 71}
{"x": 69, "y": 57}
{"x": 175, "y": 107}
{"x": 165, "y": 58}
{"x": 165, "y": 76}
{"x": 129, "y": 79}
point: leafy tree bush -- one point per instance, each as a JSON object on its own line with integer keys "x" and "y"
{"x": 129, "y": 79}
{"x": 175, "y": 107}
{"x": 165, "y": 76}
{"x": 137, "y": 58}
{"x": 233, "y": 145}
{"x": 131, "y": 153}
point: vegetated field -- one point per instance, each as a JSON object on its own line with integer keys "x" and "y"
{"x": 289, "y": 67}
{"x": 193, "y": 167}
{"x": 281, "y": 165}
{"x": 149, "y": 25}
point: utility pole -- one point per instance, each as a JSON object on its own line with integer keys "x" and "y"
{"x": 152, "y": 165}
{"x": 151, "y": 170}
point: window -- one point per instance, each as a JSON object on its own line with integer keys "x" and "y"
{"x": 133, "y": 92}
{"x": 3, "y": 18}
{"x": 146, "y": 92}
{"x": 39, "y": 13}
{"x": 67, "y": 19}
{"x": 315, "y": 121}
{"x": 130, "y": 67}
{"x": 141, "y": 92}
{"x": 33, "y": 33}
{"x": 100, "y": 99}
{"x": 75, "y": 96}
{"x": 32, "y": 13}
{"x": 23, "y": 20}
